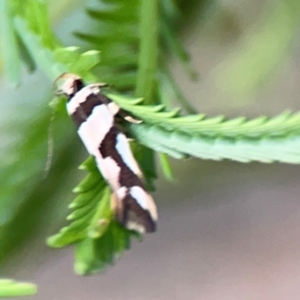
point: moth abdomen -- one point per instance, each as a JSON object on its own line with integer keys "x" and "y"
{"x": 136, "y": 210}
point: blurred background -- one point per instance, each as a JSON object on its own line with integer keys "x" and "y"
{"x": 226, "y": 230}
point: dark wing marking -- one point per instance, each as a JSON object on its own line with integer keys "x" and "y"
{"x": 132, "y": 212}
{"x": 107, "y": 148}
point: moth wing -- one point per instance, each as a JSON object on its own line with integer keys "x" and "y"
{"x": 135, "y": 209}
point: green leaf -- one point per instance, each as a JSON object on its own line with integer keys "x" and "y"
{"x": 117, "y": 39}
{"x": 93, "y": 254}
{"x": 55, "y": 62}
{"x": 11, "y": 288}
{"x": 44, "y": 57}
{"x": 91, "y": 210}
{"x": 118, "y": 15}
{"x": 26, "y": 56}
{"x": 285, "y": 124}
{"x": 8, "y": 41}
{"x": 36, "y": 13}
{"x": 75, "y": 62}
{"x": 99, "y": 238}
{"x": 179, "y": 145}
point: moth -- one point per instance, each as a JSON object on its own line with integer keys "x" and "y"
{"x": 95, "y": 117}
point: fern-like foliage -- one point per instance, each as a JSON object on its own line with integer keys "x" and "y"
{"x": 124, "y": 30}
{"x": 262, "y": 139}
{"x": 134, "y": 37}
{"x": 117, "y": 24}
{"x": 86, "y": 206}
{"x": 99, "y": 238}
{"x": 287, "y": 123}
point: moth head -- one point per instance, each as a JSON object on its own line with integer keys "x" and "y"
{"x": 68, "y": 84}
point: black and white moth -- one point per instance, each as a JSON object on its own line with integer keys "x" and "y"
{"x": 94, "y": 114}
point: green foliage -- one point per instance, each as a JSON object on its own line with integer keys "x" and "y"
{"x": 252, "y": 63}
{"x": 134, "y": 39}
{"x": 174, "y": 143}
{"x": 11, "y": 288}
{"x": 285, "y": 124}
{"x": 9, "y": 44}
{"x": 99, "y": 238}
{"x": 92, "y": 255}
{"x": 86, "y": 206}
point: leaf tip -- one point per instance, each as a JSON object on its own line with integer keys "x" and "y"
{"x": 77, "y": 190}
{"x": 81, "y": 268}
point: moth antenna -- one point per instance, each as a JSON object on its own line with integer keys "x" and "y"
{"x": 50, "y": 142}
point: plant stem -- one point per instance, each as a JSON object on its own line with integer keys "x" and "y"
{"x": 147, "y": 61}
{"x": 149, "y": 20}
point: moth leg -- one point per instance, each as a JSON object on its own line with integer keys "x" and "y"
{"x": 131, "y": 119}
{"x": 116, "y": 110}
{"x": 125, "y": 116}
